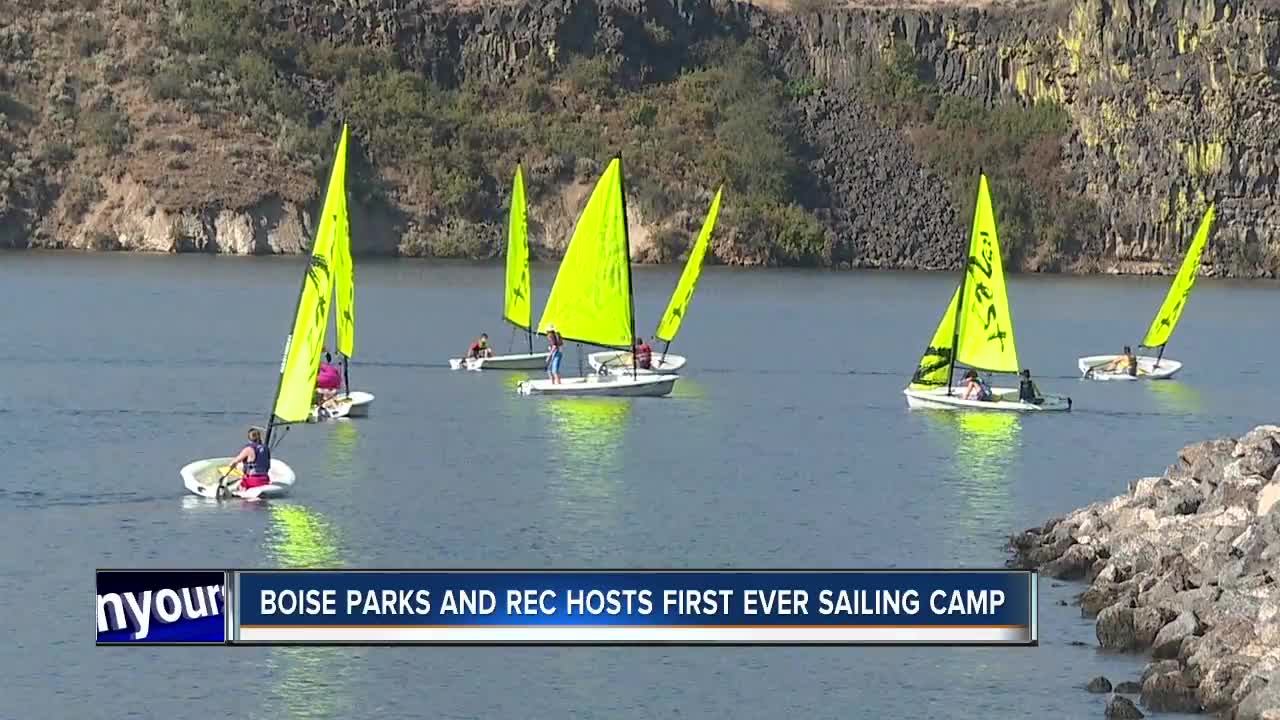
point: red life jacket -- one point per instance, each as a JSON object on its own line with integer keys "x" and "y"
{"x": 644, "y": 356}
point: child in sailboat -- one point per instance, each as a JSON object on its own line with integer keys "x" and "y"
{"x": 643, "y": 354}
{"x": 1027, "y": 390}
{"x": 256, "y": 458}
{"x": 975, "y": 388}
{"x": 1123, "y": 363}
{"x": 328, "y": 380}
{"x": 480, "y": 348}
{"x": 555, "y": 353}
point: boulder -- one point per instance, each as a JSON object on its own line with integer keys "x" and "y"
{"x": 1260, "y": 704}
{"x": 1128, "y": 687}
{"x": 1147, "y": 623}
{"x": 1120, "y": 707}
{"x": 1160, "y": 667}
{"x": 1219, "y": 683}
{"x": 1099, "y": 685}
{"x": 1073, "y": 564}
{"x": 1169, "y": 640}
{"x": 1169, "y": 692}
{"x": 1115, "y": 629}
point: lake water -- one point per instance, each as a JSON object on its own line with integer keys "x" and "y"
{"x": 787, "y": 443}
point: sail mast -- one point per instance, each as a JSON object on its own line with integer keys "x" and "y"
{"x": 626, "y": 247}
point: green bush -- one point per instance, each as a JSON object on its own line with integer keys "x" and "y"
{"x": 727, "y": 117}
{"x": 1018, "y": 148}
{"x": 108, "y": 128}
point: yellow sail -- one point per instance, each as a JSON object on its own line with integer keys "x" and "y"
{"x": 518, "y": 308}
{"x": 590, "y": 301}
{"x": 305, "y": 344}
{"x": 674, "y": 315}
{"x": 1167, "y": 318}
{"x": 344, "y": 277}
{"x": 935, "y": 364}
{"x": 986, "y": 327}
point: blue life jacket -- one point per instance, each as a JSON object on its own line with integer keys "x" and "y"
{"x": 261, "y": 463}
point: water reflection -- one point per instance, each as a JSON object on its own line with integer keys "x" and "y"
{"x": 1175, "y": 397}
{"x": 307, "y": 682}
{"x": 587, "y": 436}
{"x": 686, "y": 388}
{"x": 300, "y": 538}
{"x": 985, "y": 447}
{"x": 342, "y": 450}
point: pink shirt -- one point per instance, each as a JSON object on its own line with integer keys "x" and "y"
{"x": 328, "y": 378}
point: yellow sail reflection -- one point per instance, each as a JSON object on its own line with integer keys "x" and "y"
{"x": 341, "y": 452}
{"x": 587, "y": 437}
{"x": 985, "y": 448}
{"x": 307, "y": 682}
{"x": 1175, "y": 398}
{"x": 689, "y": 389}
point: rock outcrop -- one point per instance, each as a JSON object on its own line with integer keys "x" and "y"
{"x": 1172, "y": 105}
{"x": 1186, "y": 566}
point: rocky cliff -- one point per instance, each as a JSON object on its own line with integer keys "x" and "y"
{"x": 205, "y": 125}
{"x": 1173, "y": 104}
{"x": 1186, "y": 566}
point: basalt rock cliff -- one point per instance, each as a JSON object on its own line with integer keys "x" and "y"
{"x": 144, "y": 125}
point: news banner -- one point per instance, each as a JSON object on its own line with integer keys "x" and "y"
{"x": 566, "y": 607}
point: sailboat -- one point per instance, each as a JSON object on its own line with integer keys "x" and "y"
{"x": 518, "y": 306}
{"x": 1162, "y": 326}
{"x": 619, "y": 362}
{"x": 591, "y": 300}
{"x": 976, "y": 331}
{"x": 347, "y": 402}
{"x": 302, "y": 351}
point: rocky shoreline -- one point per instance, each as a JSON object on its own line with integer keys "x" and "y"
{"x": 1184, "y": 566}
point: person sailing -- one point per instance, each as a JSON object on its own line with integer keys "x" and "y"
{"x": 480, "y": 348}
{"x": 643, "y": 354}
{"x": 328, "y": 380}
{"x": 1027, "y": 390}
{"x": 975, "y": 388}
{"x": 256, "y": 459}
{"x": 555, "y": 353}
{"x": 1125, "y": 362}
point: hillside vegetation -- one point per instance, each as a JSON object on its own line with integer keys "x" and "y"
{"x": 213, "y": 103}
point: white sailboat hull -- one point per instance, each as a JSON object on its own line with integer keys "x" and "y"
{"x": 618, "y": 362}
{"x": 1006, "y": 400}
{"x": 353, "y": 404}
{"x": 649, "y": 385}
{"x": 524, "y": 361}
{"x": 201, "y": 478}
{"x": 1149, "y": 368}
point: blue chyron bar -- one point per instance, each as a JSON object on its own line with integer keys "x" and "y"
{"x": 635, "y": 607}
{"x": 162, "y": 607}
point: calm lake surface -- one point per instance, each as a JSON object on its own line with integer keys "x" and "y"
{"x": 787, "y": 443}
